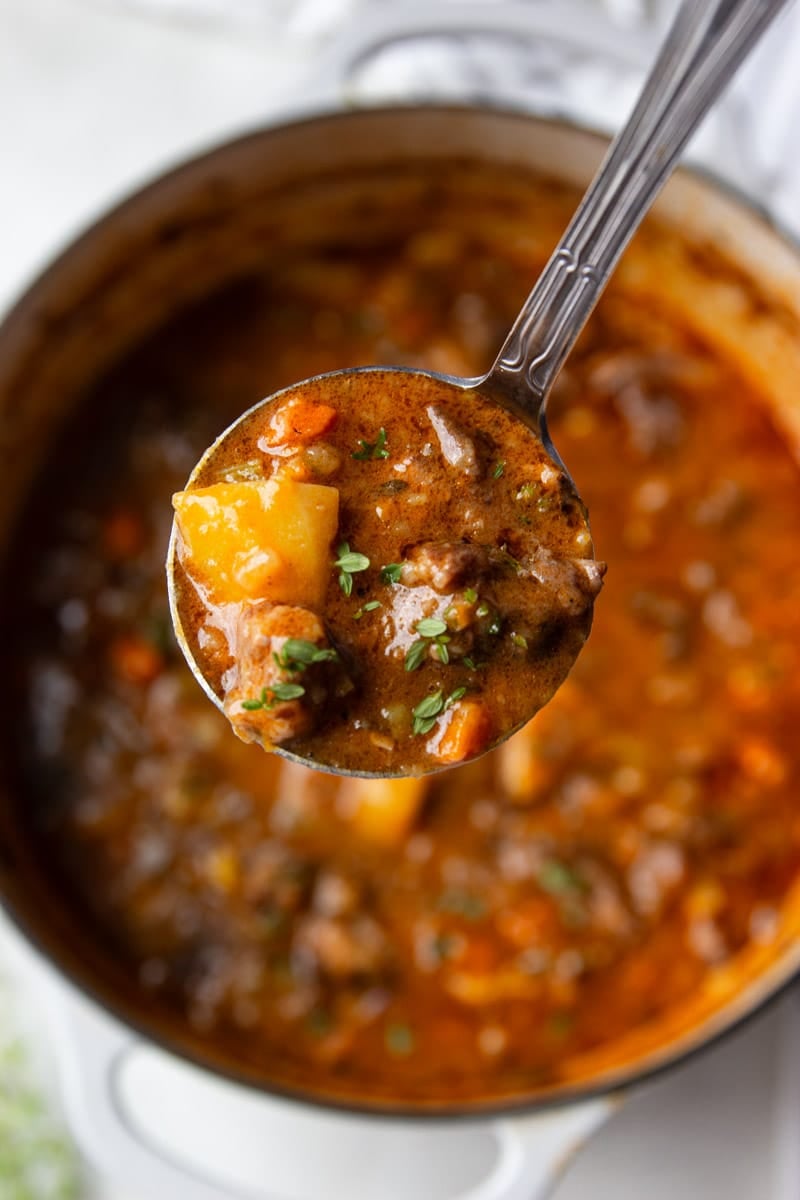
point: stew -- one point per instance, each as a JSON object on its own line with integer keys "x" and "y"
{"x": 455, "y": 602}
{"x": 480, "y": 932}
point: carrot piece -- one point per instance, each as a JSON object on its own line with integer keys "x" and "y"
{"x": 466, "y": 732}
{"x": 135, "y": 659}
{"x": 296, "y": 422}
{"x": 123, "y": 535}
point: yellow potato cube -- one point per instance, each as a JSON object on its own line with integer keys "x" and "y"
{"x": 382, "y": 810}
{"x": 259, "y": 540}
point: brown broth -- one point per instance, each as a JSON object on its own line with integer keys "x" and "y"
{"x": 510, "y": 593}
{"x": 596, "y": 875}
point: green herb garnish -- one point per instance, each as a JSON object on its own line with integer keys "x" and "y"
{"x": 427, "y": 711}
{"x": 391, "y": 573}
{"x": 558, "y": 879}
{"x": 296, "y": 654}
{"x": 399, "y": 1039}
{"x": 482, "y": 610}
{"x": 372, "y": 449}
{"x": 415, "y": 654}
{"x": 430, "y": 627}
{"x": 365, "y": 608}
{"x": 434, "y": 633}
{"x": 470, "y": 595}
{"x": 349, "y": 562}
{"x": 519, "y": 641}
{"x": 273, "y": 695}
{"x": 462, "y": 904}
{"x": 498, "y": 471}
{"x": 528, "y": 491}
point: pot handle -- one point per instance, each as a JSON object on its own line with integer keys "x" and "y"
{"x": 91, "y": 1049}
{"x": 382, "y": 25}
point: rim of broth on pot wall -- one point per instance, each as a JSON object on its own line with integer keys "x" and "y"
{"x": 554, "y": 879}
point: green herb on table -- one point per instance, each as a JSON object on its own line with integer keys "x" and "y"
{"x": 373, "y": 450}
{"x": 350, "y": 563}
{"x": 36, "y": 1161}
{"x": 275, "y": 694}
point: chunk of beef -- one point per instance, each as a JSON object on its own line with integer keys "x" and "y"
{"x": 256, "y": 712}
{"x": 572, "y": 583}
{"x": 458, "y": 447}
{"x": 446, "y": 566}
{"x": 354, "y": 948}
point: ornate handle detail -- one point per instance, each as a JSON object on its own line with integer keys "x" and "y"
{"x": 707, "y": 42}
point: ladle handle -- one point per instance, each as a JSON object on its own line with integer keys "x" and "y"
{"x": 705, "y": 45}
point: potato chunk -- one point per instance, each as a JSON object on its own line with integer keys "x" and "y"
{"x": 259, "y": 540}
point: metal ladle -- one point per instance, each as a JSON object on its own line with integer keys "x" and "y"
{"x": 705, "y": 45}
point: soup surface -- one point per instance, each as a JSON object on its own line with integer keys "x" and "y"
{"x": 482, "y": 932}
{"x": 454, "y": 604}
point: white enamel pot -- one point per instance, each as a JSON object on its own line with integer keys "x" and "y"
{"x": 220, "y": 1131}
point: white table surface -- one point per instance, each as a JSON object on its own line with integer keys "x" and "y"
{"x": 95, "y": 101}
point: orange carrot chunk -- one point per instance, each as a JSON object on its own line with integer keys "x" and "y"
{"x": 297, "y": 422}
{"x": 467, "y": 732}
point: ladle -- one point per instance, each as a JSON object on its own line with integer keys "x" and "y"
{"x": 706, "y": 43}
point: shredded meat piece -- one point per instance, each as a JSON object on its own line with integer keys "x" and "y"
{"x": 573, "y": 582}
{"x": 457, "y": 446}
{"x": 445, "y": 566}
{"x": 340, "y": 949}
{"x": 261, "y": 632}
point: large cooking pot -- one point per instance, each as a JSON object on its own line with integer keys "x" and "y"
{"x": 175, "y": 241}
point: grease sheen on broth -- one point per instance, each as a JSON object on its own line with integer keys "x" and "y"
{"x": 609, "y": 873}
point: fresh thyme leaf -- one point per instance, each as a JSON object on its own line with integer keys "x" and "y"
{"x": 455, "y": 696}
{"x": 391, "y": 573}
{"x": 430, "y": 627}
{"x": 558, "y": 879}
{"x": 528, "y": 491}
{"x": 519, "y": 641}
{"x": 473, "y": 666}
{"x": 415, "y": 654}
{"x": 287, "y": 691}
{"x": 482, "y": 610}
{"x": 442, "y": 653}
{"x": 498, "y": 471}
{"x": 427, "y": 711}
{"x": 370, "y": 450}
{"x": 272, "y": 695}
{"x": 296, "y": 654}
{"x": 349, "y": 562}
{"x": 470, "y": 595}
{"x": 365, "y": 608}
